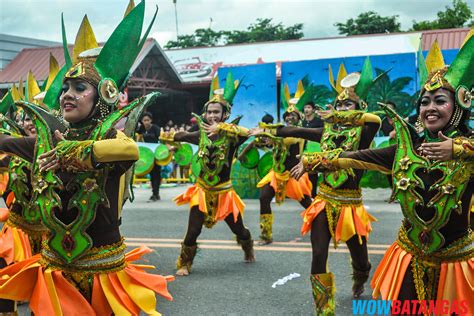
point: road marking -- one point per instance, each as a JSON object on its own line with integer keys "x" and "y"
{"x": 237, "y": 247}
{"x": 220, "y": 241}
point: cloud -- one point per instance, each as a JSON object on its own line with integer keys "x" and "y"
{"x": 41, "y": 18}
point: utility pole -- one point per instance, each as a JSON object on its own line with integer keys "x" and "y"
{"x": 176, "y": 18}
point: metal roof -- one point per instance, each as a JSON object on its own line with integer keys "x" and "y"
{"x": 447, "y": 38}
{"x": 37, "y": 60}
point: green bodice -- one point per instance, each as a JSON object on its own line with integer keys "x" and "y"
{"x": 70, "y": 241}
{"x": 447, "y": 190}
{"x": 350, "y": 136}
{"x": 19, "y": 184}
{"x": 280, "y": 152}
{"x": 213, "y": 155}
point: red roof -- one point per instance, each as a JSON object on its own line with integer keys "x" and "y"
{"x": 34, "y": 59}
{"x": 447, "y": 39}
{"x": 37, "y": 60}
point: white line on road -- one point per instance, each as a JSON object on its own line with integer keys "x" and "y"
{"x": 237, "y": 247}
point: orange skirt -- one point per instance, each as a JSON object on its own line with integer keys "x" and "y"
{"x": 227, "y": 200}
{"x": 456, "y": 279}
{"x": 286, "y": 186}
{"x": 14, "y": 244}
{"x": 123, "y": 292}
{"x": 344, "y": 219}
{"x": 4, "y": 178}
{"x": 5, "y": 212}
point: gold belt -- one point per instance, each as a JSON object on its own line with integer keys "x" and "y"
{"x": 212, "y": 199}
{"x": 341, "y": 196}
{"x": 103, "y": 259}
{"x": 427, "y": 267}
{"x": 459, "y": 250}
{"x": 218, "y": 188}
{"x": 15, "y": 220}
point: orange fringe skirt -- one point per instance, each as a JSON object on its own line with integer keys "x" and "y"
{"x": 123, "y": 292}
{"x": 14, "y": 244}
{"x": 216, "y": 202}
{"x": 346, "y": 214}
{"x": 286, "y": 186}
{"x": 455, "y": 282}
{"x": 5, "y": 212}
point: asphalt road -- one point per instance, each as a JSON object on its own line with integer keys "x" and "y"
{"x": 221, "y": 283}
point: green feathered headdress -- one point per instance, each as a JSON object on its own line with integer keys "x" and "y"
{"x": 224, "y": 96}
{"x": 296, "y": 103}
{"x": 355, "y": 86}
{"x": 341, "y": 74}
{"x": 458, "y": 77}
{"x": 107, "y": 68}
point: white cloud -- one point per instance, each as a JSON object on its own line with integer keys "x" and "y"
{"x": 41, "y": 18}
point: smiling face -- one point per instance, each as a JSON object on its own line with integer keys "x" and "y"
{"x": 291, "y": 119}
{"x": 436, "y": 109}
{"x": 19, "y": 119}
{"x": 214, "y": 113}
{"x": 28, "y": 126}
{"x": 346, "y": 105}
{"x": 77, "y": 100}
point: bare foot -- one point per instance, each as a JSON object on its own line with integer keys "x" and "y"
{"x": 183, "y": 271}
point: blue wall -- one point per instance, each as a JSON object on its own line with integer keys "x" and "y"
{"x": 257, "y": 94}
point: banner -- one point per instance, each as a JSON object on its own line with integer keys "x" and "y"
{"x": 200, "y": 64}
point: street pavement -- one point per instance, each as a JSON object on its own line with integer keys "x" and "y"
{"x": 221, "y": 283}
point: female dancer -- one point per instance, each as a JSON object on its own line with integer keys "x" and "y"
{"x": 76, "y": 182}
{"x": 23, "y": 232}
{"x": 433, "y": 256}
{"x": 337, "y": 212}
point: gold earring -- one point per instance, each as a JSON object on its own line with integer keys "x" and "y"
{"x": 419, "y": 126}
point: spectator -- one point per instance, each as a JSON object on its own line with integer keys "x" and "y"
{"x": 310, "y": 118}
{"x": 151, "y": 134}
{"x": 267, "y": 118}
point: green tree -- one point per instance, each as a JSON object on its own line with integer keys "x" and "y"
{"x": 201, "y": 37}
{"x": 456, "y": 16}
{"x": 386, "y": 90}
{"x": 369, "y": 23}
{"x": 262, "y": 31}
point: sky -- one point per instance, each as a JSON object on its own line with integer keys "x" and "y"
{"x": 41, "y": 19}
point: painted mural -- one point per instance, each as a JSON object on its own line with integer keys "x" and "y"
{"x": 257, "y": 93}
